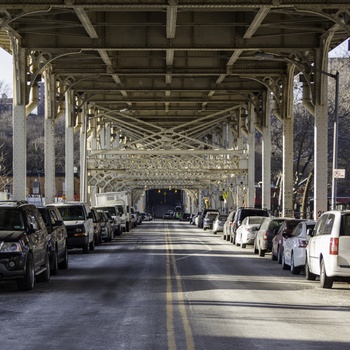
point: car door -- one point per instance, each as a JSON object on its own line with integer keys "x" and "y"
{"x": 38, "y": 236}
{"x": 58, "y": 230}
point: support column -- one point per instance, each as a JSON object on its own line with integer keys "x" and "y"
{"x": 49, "y": 132}
{"x": 83, "y": 156}
{"x": 321, "y": 136}
{"x": 19, "y": 122}
{"x": 266, "y": 155}
{"x": 69, "y": 144}
{"x": 251, "y": 158}
{"x": 288, "y": 145}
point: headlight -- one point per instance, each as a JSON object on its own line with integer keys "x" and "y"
{"x": 79, "y": 230}
{"x": 11, "y": 247}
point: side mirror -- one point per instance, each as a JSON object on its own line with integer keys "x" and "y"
{"x": 32, "y": 228}
{"x": 90, "y": 216}
{"x": 309, "y": 232}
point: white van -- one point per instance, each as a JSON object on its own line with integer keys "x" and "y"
{"x": 328, "y": 250}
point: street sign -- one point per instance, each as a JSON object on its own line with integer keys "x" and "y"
{"x": 339, "y": 173}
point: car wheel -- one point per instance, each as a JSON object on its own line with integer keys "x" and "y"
{"x": 86, "y": 248}
{"x": 54, "y": 263}
{"x": 224, "y": 237}
{"x": 255, "y": 250}
{"x": 92, "y": 245}
{"x": 325, "y": 281}
{"x": 273, "y": 256}
{"x": 283, "y": 262}
{"x": 295, "y": 270}
{"x": 64, "y": 263}
{"x": 243, "y": 245}
{"x": 45, "y": 275}
{"x": 308, "y": 274}
{"x": 279, "y": 255}
{"x": 27, "y": 283}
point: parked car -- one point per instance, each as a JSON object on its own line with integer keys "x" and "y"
{"x": 263, "y": 237}
{"x": 226, "y": 232}
{"x": 196, "y": 218}
{"x": 58, "y": 247}
{"x": 294, "y": 248}
{"x": 24, "y": 245}
{"x": 209, "y": 219}
{"x": 246, "y": 232}
{"x": 185, "y": 216}
{"x": 240, "y": 215}
{"x": 77, "y": 217}
{"x": 168, "y": 214}
{"x": 328, "y": 250}
{"x": 97, "y": 226}
{"x": 203, "y": 214}
{"x": 218, "y": 223}
{"x": 118, "y": 221}
{"x": 278, "y": 240}
{"x": 107, "y": 229}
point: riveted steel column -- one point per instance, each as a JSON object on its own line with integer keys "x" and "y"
{"x": 266, "y": 155}
{"x": 321, "y": 133}
{"x": 19, "y": 121}
{"x": 49, "y": 132}
{"x": 251, "y": 158}
{"x": 288, "y": 145}
{"x": 69, "y": 144}
{"x": 83, "y": 156}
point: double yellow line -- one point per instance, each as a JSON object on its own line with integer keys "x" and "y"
{"x": 172, "y": 271}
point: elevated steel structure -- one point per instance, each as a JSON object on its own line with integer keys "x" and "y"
{"x": 171, "y": 92}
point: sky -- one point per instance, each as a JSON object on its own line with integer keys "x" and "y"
{"x": 6, "y": 63}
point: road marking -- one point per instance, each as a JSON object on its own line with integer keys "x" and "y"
{"x": 171, "y": 263}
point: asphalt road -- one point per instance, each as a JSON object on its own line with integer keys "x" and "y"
{"x": 170, "y": 285}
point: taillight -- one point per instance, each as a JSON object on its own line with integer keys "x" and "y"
{"x": 302, "y": 243}
{"x": 265, "y": 236}
{"x": 333, "y": 246}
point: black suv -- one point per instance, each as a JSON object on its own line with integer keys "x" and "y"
{"x": 24, "y": 245}
{"x": 57, "y": 231}
{"x": 242, "y": 213}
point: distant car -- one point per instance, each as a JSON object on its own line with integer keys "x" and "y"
{"x": 246, "y": 232}
{"x": 263, "y": 237}
{"x": 209, "y": 219}
{"x": 294, "y": 249}
{"x": 24, "y": 245}
{"x": 218, "y": 223}
{"x": 328, "y": 250}
{"x": 202, "y": 216}
{"x": 283, "y": 233}
{"x": 185, "y": 216}
{"x": 241, "y": 214}
{"x": 57, "y": 238}
{"x": 97, "y": 226}
{"x": 78, "y": 218}
{"x": 106, "y": 223}
{"x": 168, "y": 214}
{"x": 226, "y": 232}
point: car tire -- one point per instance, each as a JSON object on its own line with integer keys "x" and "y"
{"x": 325, "y": 281}
{"x": 255, "y": 249}
{"x": 279, "y": 255}
{"x": 243, "y": 245}
{"x": 273, "y": 256}
{"x": 262, "y": 252}
{"x": 295, "y": 270}
{"x": 92, "y": 245}
{"x": 54, "y": 263}
{"x": 308, "y": 274}
{"x": 64, "y": 263}
{"x": 86, "y": 248}
{"x": 27, "y": 283}
{"x": 283, "y": 262}
{"x": 45, "y": 275}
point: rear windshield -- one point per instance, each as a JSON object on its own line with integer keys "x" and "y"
{"x": 110, "y": 210}
{"x": 345, "y": 225}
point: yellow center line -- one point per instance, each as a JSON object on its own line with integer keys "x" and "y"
{"x": 171, "y": 261}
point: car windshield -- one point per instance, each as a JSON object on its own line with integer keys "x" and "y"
{"x": 11, "y": 220}
{"x": 70, "y": 213}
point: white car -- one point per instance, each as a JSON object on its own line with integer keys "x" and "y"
{"x": 246, "y": 232}
{"x": 218, "y": 224}
{"x": 294, "y": 248}
{"x": 328, "y": 250}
